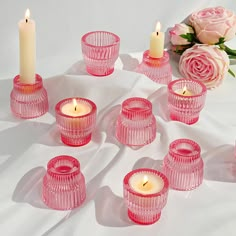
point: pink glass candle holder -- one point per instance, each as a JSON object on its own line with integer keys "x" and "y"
{"x": 145, "y": 195}
{"x": 28, "y": 100}
{"x": 76, "y": 120}
{"x": 100, "y": 51}
{"x": 186, "y": 99}
{"x": 157, "y": 69}
{"x": 183, "y": 165}
{"x": 136, "y": 125}
{"x": 63, "y": 184}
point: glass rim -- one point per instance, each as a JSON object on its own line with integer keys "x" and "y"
{"x": 202, "y": 93}
{"x": 84, "y": 37}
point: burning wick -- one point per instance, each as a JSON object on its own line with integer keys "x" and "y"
{"x": 145, "y": 180}
{"x": 184, "y": 89}
{"x": 75, "y": 104}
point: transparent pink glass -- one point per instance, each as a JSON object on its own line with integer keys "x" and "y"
{"x": 145, "y": 208}
{"x": 182, "y": 108}
{"x": 100, "y": 51}
{"x": 157, "y": 69}
{"x": 76, "y": 130}
{"x": 28, "y": 100}
{"x": 183, "y": 165}
{"x": 136, "y": 125}
{"x": 63, "y": 184}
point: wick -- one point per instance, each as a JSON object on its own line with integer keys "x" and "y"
{"x": 26, "y": 20}
{"x": 145, "y": 183}
{"x": 184, "y": 91}
{"x": 75, "y": 108}
{"x": 157, "y": 33}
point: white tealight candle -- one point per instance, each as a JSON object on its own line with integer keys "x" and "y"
{"x": 146, "y": 183}
{"x": 184, "y": 91}
{"x": 75, "y": 109}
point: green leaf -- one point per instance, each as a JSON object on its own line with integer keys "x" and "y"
{"x": 188, "y": 36}
{"x": 221, "y": 41}
{"x": 231, "y": 72}
{"x": 228, "y": 50}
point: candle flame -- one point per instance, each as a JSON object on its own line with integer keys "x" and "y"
{"x": 158, "y": 27}
{"x": 75, "y": 103}
{"x": 27, "y": 14}
{"x": 184, "y": 89}
{"x": 145, "y": 180}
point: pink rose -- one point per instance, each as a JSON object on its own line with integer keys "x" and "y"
{"x": 206, "y": 63}
{"x": 177, "y": 31}
{"x": 211, "y": 24}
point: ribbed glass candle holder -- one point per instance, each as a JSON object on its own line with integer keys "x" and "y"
{"x": 157, "y": 69}
{"x": 63, "y": 184}
{"x": 100, "y": 51}
{"x": 28, "y": 100}
{"x": 145, "y": 195}
{"x": 186, "y": 99}
{"x": 76, "y": 130}
{"x": 183, "y": 165}
{"x": 136, "y": 125}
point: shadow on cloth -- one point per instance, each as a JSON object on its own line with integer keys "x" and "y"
{"x": 29, "y": 188}
{"x": 110, "y": 209}
{"x": 220, "y": 164}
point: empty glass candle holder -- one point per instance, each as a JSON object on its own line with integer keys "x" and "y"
{"x": 100, "y": 51}
{"x": 183, "y": 165}
{"x": 145, "y": 195}
{"x": 76, "y": 120}
{"x": 186, "y": 99}
{"x": 136, "y": 125}
{"x": 157, "y": 69}
{"x": 28, "y": 100}
{"x": 63, "y": 184}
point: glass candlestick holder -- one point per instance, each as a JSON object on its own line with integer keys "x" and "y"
{"x": 157, "y": 69}
{"x": 63, "y": 184}
{"x": 100, "y": 51}
{"x": 28, "y": 100}
{"x": 183, "y": 165}
{"x": 136, "y": 124}
{"x": 76, "y": 124}
{"x": 145, "y": 194}
{"x": 186, "y": 99}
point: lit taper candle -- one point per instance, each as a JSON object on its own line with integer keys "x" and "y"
{"x": 27, "y": 49}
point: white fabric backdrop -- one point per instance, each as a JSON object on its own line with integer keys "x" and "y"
{"x": 27, "y": 145}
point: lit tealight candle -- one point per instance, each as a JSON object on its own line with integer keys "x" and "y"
{"x": 184, "y": 91}
{"x": 146, "y": 183}
{"x": 27, "y": 49}
{"x": 75, "y": 109}
{"x": 156, "y": 49}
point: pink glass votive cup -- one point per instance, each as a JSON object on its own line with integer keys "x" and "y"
{"x": 145, "y": 206}
{"x": 63, "y": 184}
{"x": 100, "y": 51}
{"x": 186, "y": 108}
{"x": 76, "y": 130}
{"x": 157, "y": 69}
{"x": 136, "y": 125}
{"x": 183, "y": 165}
{"x": 28, "y": 100}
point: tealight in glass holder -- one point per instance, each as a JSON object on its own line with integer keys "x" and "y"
{"x": 183, "y": 165}
{"x": 63, "y": 184}
{"x": 100, "y": 51}
{"x": 76, "y": 120}
{"x": 186, "y": 99}
{"x": 28, "y": 100}
{"x": 157, "y": 69}
{"x": 136, "y": 125}
{"x": 145, "y": 195}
